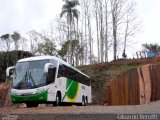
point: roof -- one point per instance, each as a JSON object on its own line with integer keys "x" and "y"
{"x": 37, "y": 58}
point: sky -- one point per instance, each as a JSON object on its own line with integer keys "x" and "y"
{"x": 25, "y": 15}
{"x": 149, "y": 12}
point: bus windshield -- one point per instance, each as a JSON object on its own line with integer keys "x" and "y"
{"x": 29, "y": 74}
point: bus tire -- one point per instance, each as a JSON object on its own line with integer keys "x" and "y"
{"x": 86, "y": 100}
{"x": 29, "y": 105}
{"x": 83, "y": 101}
{"x": 58, "y": 100}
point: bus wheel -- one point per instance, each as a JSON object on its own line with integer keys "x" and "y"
{"x": 83, "y": 101}
{"x": 86, "y": 100}
{"x": 57, "y": 102}
{"x": 29, "y": 105}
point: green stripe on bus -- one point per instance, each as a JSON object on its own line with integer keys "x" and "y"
{"x": 37, "y": 97}
{"x": 71, "y": 90}
{"x": 71, "y": 93}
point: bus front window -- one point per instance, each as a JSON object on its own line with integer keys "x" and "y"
{"x": 20, "y": 73}
{"x": 36, "y": 71}
{"x": 29, "y": 74}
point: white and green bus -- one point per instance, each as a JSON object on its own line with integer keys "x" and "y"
{"x": 48, "y": 79}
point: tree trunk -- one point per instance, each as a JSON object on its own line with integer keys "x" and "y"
{"x": 101, "y": 32}
{"x": 106, "y": 32}
{"x": 97, "y": 28}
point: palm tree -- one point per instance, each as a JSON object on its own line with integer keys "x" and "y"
{"x": 69, "y": 9}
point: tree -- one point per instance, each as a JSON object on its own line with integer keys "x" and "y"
{"x": 101, "y": 15}
{"x": 11, "y": 54}
{"x": 16, "y": 38}
{"x": 69, "y": 9}
{"x": 48, "y": 47}
{"x": 77, "y": 51}
{"x": 97, "y": 29}
{"x": 123, "y": 19}
{"x": 7, "y": 40}
{"x": 33, "y": 41}
{"x": 114, "y": 21}
{"x": 131, "y": 23}
{"x": 107, "y": 33}
{"x": 64, "y": 50}
{"x": 39, "y": 49}
{"x": 116, "y": 9}
{"x": 151, "y": 47}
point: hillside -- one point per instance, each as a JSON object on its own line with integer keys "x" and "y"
{"x": 100, "y": 75}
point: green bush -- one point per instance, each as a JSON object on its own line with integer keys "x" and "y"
{"x": 9, "y": 59}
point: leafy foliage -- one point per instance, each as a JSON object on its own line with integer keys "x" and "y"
{"x": 4, "y": 37}
{"x": 7, "y": 40}
{"x": 47, "y": 48}
{"x": 16, "y": 37}
{"x": 68, "y": 8}
{"x": 76, "y": 49}
{"x": 151, "y": 47}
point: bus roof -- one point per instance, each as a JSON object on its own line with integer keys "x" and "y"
{"x": 47, "y": 57}
{"x": 35, "y": 58}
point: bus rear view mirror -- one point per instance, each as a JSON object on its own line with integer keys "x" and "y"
{"x": 47, "y": 66}
{"x": 9, "y": 71}
{"x": 50, "y": 69}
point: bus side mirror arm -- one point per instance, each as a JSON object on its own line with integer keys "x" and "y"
{"x": 47, "y": 66}
{"x": 8, "y": 70}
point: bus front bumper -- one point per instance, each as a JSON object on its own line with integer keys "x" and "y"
{"x": 29, "y": 98}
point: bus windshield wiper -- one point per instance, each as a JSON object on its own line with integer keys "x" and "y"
{"x": 24, "y": 78}
{"x": 30, "y": 76}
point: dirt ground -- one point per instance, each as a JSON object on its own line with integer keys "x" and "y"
{"x": 151, "y": 108}
{"x": 149, "y": 111}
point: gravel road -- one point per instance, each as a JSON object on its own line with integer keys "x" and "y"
{"x": 79, "y": 112}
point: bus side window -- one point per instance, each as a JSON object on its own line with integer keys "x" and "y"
{"x": 77, "y": 76}
{"x": 71, "y": 73}
{"x": 62, "y": 71}
{"x": 51, "y": 75}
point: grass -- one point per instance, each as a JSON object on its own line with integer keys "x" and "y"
{"x": 124, "y": 67}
